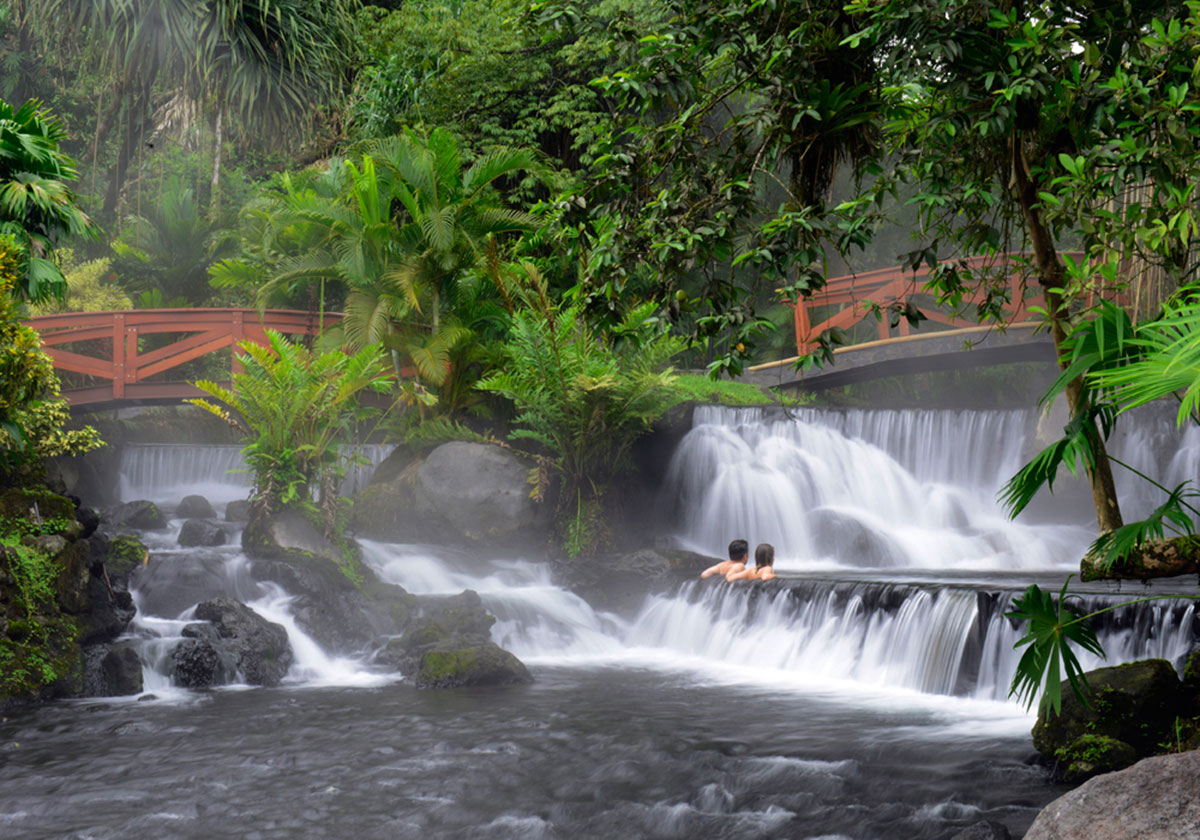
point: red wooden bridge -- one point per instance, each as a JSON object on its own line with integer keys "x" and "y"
{"x": 847, "y": 301}
{"x": 108, "y": 346}
{"x": 853, "y": 298}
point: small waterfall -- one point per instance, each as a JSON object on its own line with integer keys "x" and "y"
{"x": 935, "y": 640}
{"x": 165, "y": 473}
{"x": 535, "y": 619}
{"x": 822, "y": 488}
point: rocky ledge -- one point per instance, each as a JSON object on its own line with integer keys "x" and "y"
{"x": 64, "y": 600}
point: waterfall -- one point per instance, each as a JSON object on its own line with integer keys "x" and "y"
{"x": 897, "y": 565}
{"x": 871, "y": 489}
{"x": 165, "y": 472}
{"x": 931, "y": 639}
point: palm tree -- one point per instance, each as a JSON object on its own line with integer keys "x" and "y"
{"x": 36, "y": 206}
{"x": 266, "y": 61}
{"x": 172, "y": 244}
{"x": 450, "y": 214}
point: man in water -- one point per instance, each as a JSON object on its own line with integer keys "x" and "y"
{"x": 739, "y": 553}
{"x": 764, "y": 565}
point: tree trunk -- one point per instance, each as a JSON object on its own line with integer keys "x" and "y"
{"x": 137, "y": 116}
{"x": 1050, "y": 277}
{"x": 214, "y": 200}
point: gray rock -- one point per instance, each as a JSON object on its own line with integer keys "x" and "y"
{"x": 1135, "y": 703}
{"x": 238, "y": 511}
{"x": 261, "y": 647}
{"x": 111, "y": 671}
{"x": 203, "y": 659}
{"x": 620, "y": 581}
{"x": 984, "y": 830}
{"x": 285, "y": 535}
{"x": 170, "y": 584}
{"x": 195, "y": 507}
{"x": 467, "y": 493}
{"x": 449, "y": 647}
{"x": 197, "y": 532}
{"x": 343, "y": 616}
{"x": 48, "y": 544}
{"x": 1156, "y": 799}
{"x": 140, "y": 515}
{"x": 481, "y": 490}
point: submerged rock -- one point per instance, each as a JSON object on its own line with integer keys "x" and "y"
{"x": 1156, "y": 799}
{"x": 195, "y": 507}
{"x": 259, "y": 647}
{"x": 1135, "y": 703}
{"x": 197, "y": 532}
{"x": 140, "y": 515}
{"x": 984, "y": 830}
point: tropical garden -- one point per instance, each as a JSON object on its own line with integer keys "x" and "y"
{"x": 547, "y": 224}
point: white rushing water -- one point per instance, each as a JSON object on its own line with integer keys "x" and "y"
{"x": 867, "y": 489}
{"x": 885, "y": 493}
{"x": 166, "y": 472}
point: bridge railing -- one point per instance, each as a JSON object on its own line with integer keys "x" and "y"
{"x": 857, "y": 294}
{"x": 128, "y": 369}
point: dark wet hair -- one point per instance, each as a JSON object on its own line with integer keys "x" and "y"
{"x": 764, "y": 555}
{"x": 738, "y": 549}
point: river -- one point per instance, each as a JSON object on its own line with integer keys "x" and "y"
{"x": 863, "y": 698}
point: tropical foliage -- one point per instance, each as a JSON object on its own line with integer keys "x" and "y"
{"x": 295, "y": 407}
{"x": 582, "y": 396}
{"x": 36, "y": 205}
{"x": 32, "y": 415}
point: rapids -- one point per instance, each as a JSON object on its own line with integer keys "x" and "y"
{"x": 863, "y": 696}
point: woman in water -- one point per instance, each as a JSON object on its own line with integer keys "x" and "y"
{"x": 764, "y": 563}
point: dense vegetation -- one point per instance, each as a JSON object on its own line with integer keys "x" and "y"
{"x": 528, "y": 212}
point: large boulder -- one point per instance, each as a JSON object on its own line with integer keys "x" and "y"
{"x": 344, "y": 612}
{"x": 238, "y": 511}
{"x": 284, "y": 535}
{"x": 111, "y": 671}
{"x": 448, "y": 647}
{"x": 172, "y": 583}
{"x": 197, "y": 532}
{"x": 337, "y": 599}
{"x": 260, "y": 647}
{"x": 1156, "y": 799}
{"x": 140, "y": 515}
{"x": 203, "y": 659}
{"x": 195, "y": 507}
{"x": 467, "y": 493}
{"x": 1135, "y": 703}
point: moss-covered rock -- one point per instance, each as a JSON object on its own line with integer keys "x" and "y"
{"x": 140, "y": 515}
{"x": 1091, "y": 755}
{"x": 449, "y": 647}
{"x": 475, "y": 664}
{"x": 33, "y": 505}
{"x": 1136, "y": 703}
{"x": 125, "y": 555}
{"x": 1154, "y": 559}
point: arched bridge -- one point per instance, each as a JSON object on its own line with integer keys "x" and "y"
{"x": 112, "y": 348}
{"x": 947, "y": 340}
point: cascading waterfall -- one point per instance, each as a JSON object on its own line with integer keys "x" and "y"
{"x": 936, "y": 640}
{"x": 825, "y": 497}
{"x": 892, "y": 495}
{"x": 166, "y": 472}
